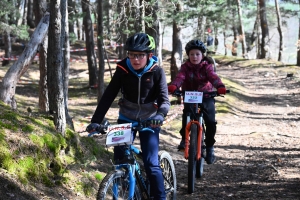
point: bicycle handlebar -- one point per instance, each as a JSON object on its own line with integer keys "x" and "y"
{"x": 102, "y": 128}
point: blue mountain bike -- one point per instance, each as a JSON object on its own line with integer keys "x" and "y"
{"x": 128, "y": 180}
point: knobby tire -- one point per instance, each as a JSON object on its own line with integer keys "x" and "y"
{"x": 105, "y": 191}
{"x": 169, "y": 174}
{"x": 192, "y": 158}
{"x": 200, "y": 162}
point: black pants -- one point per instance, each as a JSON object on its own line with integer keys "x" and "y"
{"x": 209, "y": 114}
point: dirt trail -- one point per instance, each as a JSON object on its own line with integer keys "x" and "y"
{"x": 257, "y": 148}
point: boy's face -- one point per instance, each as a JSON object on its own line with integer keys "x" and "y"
{"x": 138, "y": 60}
{"x": 195, "y": 56}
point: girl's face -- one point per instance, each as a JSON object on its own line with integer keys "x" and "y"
{"x": 138, "y": 60}
{"x": 195, "y": 56}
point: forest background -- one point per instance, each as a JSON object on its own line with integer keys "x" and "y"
{"x": 245, "y": 29}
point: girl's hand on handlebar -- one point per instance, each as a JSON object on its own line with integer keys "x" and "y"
{"x": 172, "y": 88}
{"x": 221, "y": 90}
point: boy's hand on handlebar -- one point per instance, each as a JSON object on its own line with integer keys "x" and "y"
{"x": 94, "y": 127}
{"x": 172, "y": 88}
{"x": 157, "y": 120}
{"x": 221, "y": 90}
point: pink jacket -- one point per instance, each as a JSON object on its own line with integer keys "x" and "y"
{"x": 200, "y": 77}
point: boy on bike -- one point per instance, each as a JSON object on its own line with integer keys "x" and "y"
{"x": 144, "y": 98}
{"x": 197, "y": 74}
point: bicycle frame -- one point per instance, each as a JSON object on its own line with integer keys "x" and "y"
{"x": 133, "y": 168}
{"x": 134, "y": 173}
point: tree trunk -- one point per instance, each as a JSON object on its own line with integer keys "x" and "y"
{"x": 201, "y": 26}
{"x": 137, "y": 16}
{"x": 279, "y": 31}
{"x": 298, "y": 45}
{"x": 153, "y": 28}
{"x": 43, "y": 89}
{"x": 89, "y": 42}
{"x": 12, "y": 76}
{"x": 21, "y": 8}
{"x": 30, "y": 21}
{"x": 264, "y": 28}
{"x": 242, "y": 37}
{"x": 120, "y": 27}
{"x": 66, "y": 58}
{"x": 235, "y": 42}
{"x": 24, "y": 20}
{"x": 55, "y": 69}
{"x": 7, "y": 47}
{"x": 72, "y": 22}
{"x": 101, "y": 87}
{"x": 176, "y": 56}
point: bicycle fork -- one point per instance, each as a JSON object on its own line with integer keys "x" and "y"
{"x": 199, "y": 138}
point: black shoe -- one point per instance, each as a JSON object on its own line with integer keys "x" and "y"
{"x": 210, "y": 155}
{"x": 181, "y": 146}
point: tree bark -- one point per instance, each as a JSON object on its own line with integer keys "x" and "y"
{"x": 264, "y": 28}
{"x": 89, "y": 42}
{"x": 43, "y": 89}
{"x": 176, "y": 56}
{"x": 7, "y": 47}
{"x": 66, "y": 59}
{"x": 101, "y": 87}
{"x": 279, "y": 31}
{"x": 153, "y": 28}
{"x": 30, "y": 20}
{"x": 12, "y": 76}
{"x": 55, "y": 69}
{"x": 242, "y": 39}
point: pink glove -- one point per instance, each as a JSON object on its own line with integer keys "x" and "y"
{"x": 221, "y": 90}
{"x": 172, "y": 88}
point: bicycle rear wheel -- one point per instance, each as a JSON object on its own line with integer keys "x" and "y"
{"x": 115, "y": 185}
{"x": 192, "y": 158}
{"x": 169, "y": 174}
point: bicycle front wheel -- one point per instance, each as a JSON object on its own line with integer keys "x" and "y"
{"x": 115, "y": 185}
{"x": 192, "y": 158}
{"x": 169, "y": 174}
{"x": 200, "y": 162}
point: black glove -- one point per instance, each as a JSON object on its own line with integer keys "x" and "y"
{"x": 94, "y": 127}
{"x": 157, "y": 119}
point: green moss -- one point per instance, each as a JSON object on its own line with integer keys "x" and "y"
{"x": 98, "y": 177}
{"x": 8, "y": 126}
{"x": 37, "y": 140}
{"x": 28, "y": 128}
{"x": 55, "y": 142}
{"x": 85, "y": 187}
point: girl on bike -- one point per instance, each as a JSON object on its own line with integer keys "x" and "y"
{"x": 144, "y": 98}
{"x": 197, "y": 74}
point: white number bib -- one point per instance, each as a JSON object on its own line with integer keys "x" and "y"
{"x": 193, "y": 97}
{"x": 119, "y": 134}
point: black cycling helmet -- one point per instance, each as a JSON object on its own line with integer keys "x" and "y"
{"x": 140, "y": 42}
{"x": 195, "y": 44}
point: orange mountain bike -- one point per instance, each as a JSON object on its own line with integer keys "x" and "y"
{"x": 194, "y": 150}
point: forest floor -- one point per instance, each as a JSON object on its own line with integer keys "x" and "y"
{"x": 257, "y": 148}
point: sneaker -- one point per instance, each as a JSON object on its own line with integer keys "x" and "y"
{"x": 181, "y": 146}
{"x": 210, "y": 155}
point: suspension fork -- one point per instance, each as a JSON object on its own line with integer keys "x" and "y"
{"x": 200, "y": 131}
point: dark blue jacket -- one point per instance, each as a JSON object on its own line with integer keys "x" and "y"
{"x": 144, "y": 93}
